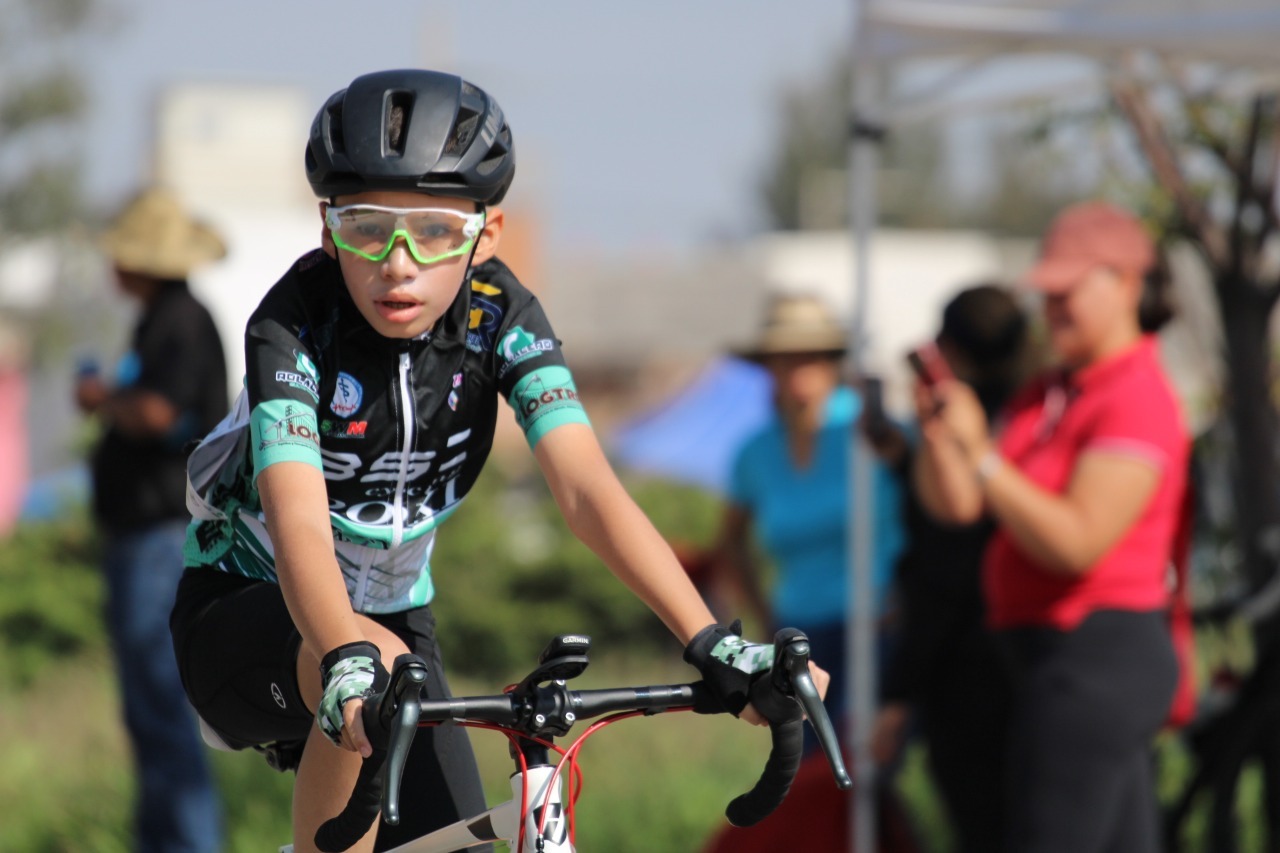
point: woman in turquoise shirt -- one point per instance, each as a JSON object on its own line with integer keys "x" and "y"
{"x": 789, "y": 488}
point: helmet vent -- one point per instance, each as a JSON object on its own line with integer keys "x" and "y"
{"x": 335, "y": 128}
{"x": 464, "y": 130}
{"x": 399, "y": 108}
{"x": 497, "y": 154}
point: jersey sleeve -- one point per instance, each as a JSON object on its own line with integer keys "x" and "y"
{"x": 532, "y": 373}
{"x": 283, "y": 385}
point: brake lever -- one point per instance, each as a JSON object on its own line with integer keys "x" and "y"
{"x": 398, "y": 714}
{"x": 795, "y": 678}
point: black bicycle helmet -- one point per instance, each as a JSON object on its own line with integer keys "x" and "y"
{"x": 423, "y": 131}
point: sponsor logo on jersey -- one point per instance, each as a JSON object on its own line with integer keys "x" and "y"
{"x": 547, "y": 391}
{"x": 518, "y": 345}
{"x": 297, "y": 380}
{"x": 549, "y": 397}
{"x": 304, "y": 364}
{"x": 455, "y": 396}
{"x": 343, "y": 429}
{"x": 348, "y": 394}
{"x": 296, "y": 427}
{"x": 310, "y": 259}
{"x": 484, "y": 321}
{"x": 413, "y": 488}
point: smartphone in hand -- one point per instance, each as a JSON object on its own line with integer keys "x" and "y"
{"x": 929, "y": 364}
{"x": 873, "y": 414}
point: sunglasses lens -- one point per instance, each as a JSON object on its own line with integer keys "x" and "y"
{"x": 433, "y": 233}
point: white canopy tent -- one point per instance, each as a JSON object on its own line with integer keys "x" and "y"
{"x": 1240, "y": 38}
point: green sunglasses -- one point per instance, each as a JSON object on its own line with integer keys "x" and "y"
{"x": 431, "y": 234}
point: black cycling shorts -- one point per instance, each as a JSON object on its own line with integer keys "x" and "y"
{"x": 237, "y": 651}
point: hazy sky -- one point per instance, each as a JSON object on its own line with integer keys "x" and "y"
{"x": 637, "y": 124}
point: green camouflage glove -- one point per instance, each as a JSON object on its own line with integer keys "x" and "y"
{"x": 729, "y": 664}
{"x": 350, "y": 671}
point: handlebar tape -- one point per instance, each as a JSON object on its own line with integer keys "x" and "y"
{"x": 770, "y": 790}
{"x": 341, "y": 832}
{"x": 379, "y": 715}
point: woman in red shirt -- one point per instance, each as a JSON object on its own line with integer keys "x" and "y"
{"x": 1085, "y": 482}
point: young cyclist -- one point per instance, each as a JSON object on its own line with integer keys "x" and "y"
{"x": 373, "y": 371}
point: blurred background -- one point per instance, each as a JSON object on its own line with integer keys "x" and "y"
{"x": 678, "y": 162}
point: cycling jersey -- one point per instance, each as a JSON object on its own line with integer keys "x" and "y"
{"x": 400, "y": 428}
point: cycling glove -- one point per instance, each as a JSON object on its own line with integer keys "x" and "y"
{"x": 729, "y": 664}
{"x": 350, "y": 671}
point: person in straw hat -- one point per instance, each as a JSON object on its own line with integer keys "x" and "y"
{"x": 170, "y": 388}
{"x": 788, "y": 486}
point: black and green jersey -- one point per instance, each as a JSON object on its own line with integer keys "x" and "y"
{"x": 400, "y": 428}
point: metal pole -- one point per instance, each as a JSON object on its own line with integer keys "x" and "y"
{"x": 860, "y": 604}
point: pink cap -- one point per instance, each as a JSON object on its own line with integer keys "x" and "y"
{"x": 1089, "y": 235}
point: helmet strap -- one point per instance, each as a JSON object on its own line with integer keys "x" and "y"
{"x": 458, "y": 318}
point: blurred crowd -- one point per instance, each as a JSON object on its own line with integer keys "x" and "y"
{"x": 1029, "y": 529}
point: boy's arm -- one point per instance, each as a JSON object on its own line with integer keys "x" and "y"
{"x": 297, "y": 516}
{"x": 601, "y": 514}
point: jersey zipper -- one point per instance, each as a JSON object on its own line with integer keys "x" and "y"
{"x": 406, "y": 406}
{"x": 397, "y": 520}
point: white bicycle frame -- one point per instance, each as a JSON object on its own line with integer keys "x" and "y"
{"x": 502, "y": 822}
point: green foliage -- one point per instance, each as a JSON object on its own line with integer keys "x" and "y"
{"x": 510, "y": 576}
{"x": 58, "y": 95}
{"x": 51, "y": 610}
{"x": 40, "y": 200}
{"x": 42, "y": 102}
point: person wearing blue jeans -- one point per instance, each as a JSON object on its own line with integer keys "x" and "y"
{"x": 170, "y": 388}
{"x": 177, "y": 804}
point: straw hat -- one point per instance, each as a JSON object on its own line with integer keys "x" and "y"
{"x": 154, "y": 236}
{"x": 795, "y": 324}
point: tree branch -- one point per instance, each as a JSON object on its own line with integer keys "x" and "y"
{"x": 1193, "y": 107}
{"x": 1154, "y": 141}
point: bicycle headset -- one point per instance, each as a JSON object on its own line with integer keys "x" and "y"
{"x": 414, "y": 130}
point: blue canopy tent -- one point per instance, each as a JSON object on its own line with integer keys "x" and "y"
{"x": 692, "y": 437}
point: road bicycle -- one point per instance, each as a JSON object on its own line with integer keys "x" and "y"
{"x": 532, "y": 714}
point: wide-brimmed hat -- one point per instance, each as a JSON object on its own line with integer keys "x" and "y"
{"x": 796, "y": 324}
{"x": 154, "y": 236}
{"x": 1089, "y": 235}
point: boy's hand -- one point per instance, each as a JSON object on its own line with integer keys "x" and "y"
{"x": 351, "y": 671}
{"x": 729, "y": 664}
